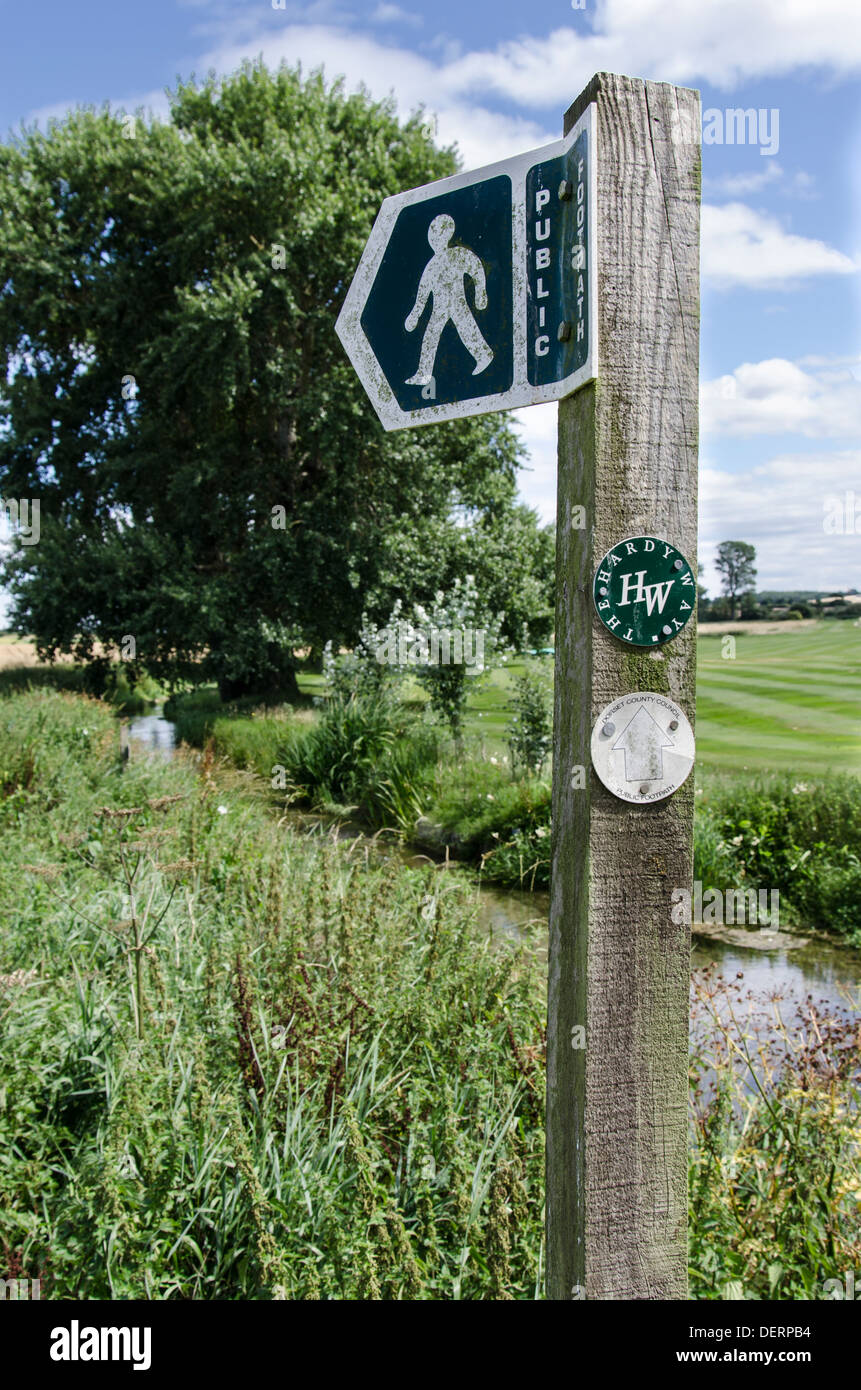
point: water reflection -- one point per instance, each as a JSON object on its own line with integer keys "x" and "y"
{"x": 154, "y": 733}
{"x": 828, "y": 972}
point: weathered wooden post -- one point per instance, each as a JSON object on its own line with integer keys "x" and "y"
{"x": 619, "y": 963}
{"x": 527, "y": 234}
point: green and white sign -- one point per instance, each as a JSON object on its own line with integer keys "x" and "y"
{"x": 644, "y": 591}
{"x": 476, "y": 293}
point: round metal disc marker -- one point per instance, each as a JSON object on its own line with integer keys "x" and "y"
{"x": 644, "y": 591}
{"x": 642, "y": 747}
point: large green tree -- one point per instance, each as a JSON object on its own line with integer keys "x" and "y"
{"x": 212, "y": 480}
{"x": 735, "y": 565}
{"x": 511, "y": 556}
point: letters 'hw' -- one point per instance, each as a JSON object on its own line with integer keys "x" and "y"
{"x": 476, "y": 293}
{"x": 644, "y": 591}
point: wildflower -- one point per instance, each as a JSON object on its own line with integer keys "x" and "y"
{"x": 17, "y": 979}
{"x": 737, "y": 840}
{"x": 800, "y": 787}
{"x": 222, "y": 810}
{"x": 490, "y": 796}
{"x": 494, "y": 761}
{"x": 540, "y": 832}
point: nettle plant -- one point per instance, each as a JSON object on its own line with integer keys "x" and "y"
{"x": 122, "y": 843}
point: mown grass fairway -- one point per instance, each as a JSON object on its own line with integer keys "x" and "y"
{"x": 788, "y": 702}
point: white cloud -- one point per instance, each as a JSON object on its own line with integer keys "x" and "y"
{"x": 721, "y": 41}
{"x": 779, "y": 397}
{"x": 780, "y": 506}
{"x": 481, "y": 134}
{"x": 800, "y": 186}
{"x": 743, "y": 247}
{"x": 736, "y": 185}
{"x": 393, "y": 14}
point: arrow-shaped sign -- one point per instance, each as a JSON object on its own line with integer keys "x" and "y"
{"x": 643, "y": 741}
{"x": 477, "y": 293}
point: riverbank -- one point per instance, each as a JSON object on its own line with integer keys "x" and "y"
{"x": 796, "y": 840}
{"x": 242, "y": 1062}
{"x": 246, "y": 1062}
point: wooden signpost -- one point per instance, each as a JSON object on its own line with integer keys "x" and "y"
{"x": 572, "y": 273}
{"x": 619, "y": 966}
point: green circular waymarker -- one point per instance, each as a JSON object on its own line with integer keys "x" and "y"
{"x": 644, "y": 591}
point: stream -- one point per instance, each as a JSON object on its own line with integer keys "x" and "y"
{"x": 793, "y": 969}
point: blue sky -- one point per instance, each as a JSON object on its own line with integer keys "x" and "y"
{"x": 781, "y": 301}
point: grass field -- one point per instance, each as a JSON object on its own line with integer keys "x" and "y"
{"x": 787, "y": 702}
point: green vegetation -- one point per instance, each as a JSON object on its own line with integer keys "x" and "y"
{"x": 240, "y": 1062}
{"x": 789, "y": 701}
{"x": 480, "y": 814}
{"x": 775, "y": 1145}
{"x": 246, "y": 1063}
{"x": 803, "y": 839}
{"x": 211, "y": 476}
{"x": 798, "y": 833}
{"x": 734, "y": 563}
{"x": 531, "y": 738}
{"x": 366, "y": 752}
{"x": 111, "y": 684}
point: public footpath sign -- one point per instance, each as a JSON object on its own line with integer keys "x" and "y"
{"x": 476, "y": 293}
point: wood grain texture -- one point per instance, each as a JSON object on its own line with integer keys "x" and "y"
{"x": 616, "y": 1110}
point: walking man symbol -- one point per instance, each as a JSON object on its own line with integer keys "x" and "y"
{"x": 444, "y": 277}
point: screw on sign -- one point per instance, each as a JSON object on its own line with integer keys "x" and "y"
{"x": 644, "y": 591}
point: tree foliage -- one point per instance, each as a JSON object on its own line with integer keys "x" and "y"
{"x": 212, "y": 479}
{"x": 735, "y": 565}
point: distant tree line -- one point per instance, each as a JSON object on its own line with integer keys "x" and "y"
{"x": 740, "y": 601}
